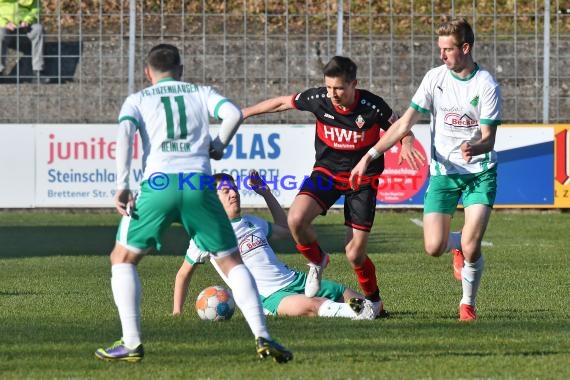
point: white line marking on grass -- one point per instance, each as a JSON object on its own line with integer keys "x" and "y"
{"x": 419, "y": 223}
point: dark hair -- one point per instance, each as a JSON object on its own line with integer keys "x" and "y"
{"x": 224, "y": 177}
{"x": 164, "y": 58}
{"x": 460, "y": 29}
{"x": 340, "y": 67}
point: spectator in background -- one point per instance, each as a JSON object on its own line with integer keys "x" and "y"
{"x": 19, "y": 17}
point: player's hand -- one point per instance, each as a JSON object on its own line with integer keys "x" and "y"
{"x": 216, "y": 149}
{"x": 256, "y": 182}
{"x": 412, "y": 156}
{"x": 357, "y": 173}
{"x": 245, "y": 113}
{"x": 124, "y": 202}
{"x": 467, "y": 151}
{"x": 216, "y": 154}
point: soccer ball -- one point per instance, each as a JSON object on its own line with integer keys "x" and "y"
{"x": 215, "y": 303}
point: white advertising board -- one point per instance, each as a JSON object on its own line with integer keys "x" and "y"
{"x": 47, "y": 165}
{"x": 17, "y": 166}
{"x": 75, "y": 163}
{"x": 282, "y": 154}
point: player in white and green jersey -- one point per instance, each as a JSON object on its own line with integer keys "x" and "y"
{"x": 172, "y": 119}
{"x": 458, "y": 107}
{"x": 282, "y": 289}
{"x": 464, "y": 102}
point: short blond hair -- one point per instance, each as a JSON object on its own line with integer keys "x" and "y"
{"x": 460, "y": 29}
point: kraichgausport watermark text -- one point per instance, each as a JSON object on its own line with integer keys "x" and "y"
{"x": 341, "y": 181}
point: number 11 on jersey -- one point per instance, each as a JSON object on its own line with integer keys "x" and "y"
{"x": 170, "y": 119}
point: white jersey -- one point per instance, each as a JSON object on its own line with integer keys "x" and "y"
{"x": 172, "y": 118}
{"x": 269, "y": 272}
{"x": 252, "y": 234}
{"x": 458, "y": 107}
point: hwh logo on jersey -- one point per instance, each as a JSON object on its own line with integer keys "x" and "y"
{"x": 342, "y": 135}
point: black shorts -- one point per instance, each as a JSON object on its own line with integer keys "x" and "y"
{"x": 359, "y": 205}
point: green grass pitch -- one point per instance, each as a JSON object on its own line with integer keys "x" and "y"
{"x": 56, "y": 307}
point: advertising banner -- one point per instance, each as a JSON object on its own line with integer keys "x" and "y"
{"x": 526, "y": 162}
{"x": 17, "y": 160}
{"x": 562, "y": 166}
{"x": 524, "y": 174}
{"x": 73, "y": 165}
{"x": 400, "y": 184}
{"x": 282, "y": 154}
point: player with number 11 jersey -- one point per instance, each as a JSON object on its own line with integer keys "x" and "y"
{"x": 172, "y": 118}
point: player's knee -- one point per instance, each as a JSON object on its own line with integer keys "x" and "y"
{"x": 313, "y": 309}
{"x": 295, "y": 221}
{"x": 355, "y": 255}
{"x": 122, "y": 255}
{"x": 471, "y": 250}
{"x": 434, "y": 249}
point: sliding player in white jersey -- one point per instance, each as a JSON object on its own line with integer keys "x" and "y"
{"x": 282, "y": 290}
{"x": 172, "y": 118}
{"x": 464, "y": 102}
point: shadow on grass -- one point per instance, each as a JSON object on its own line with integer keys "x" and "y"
{"x": 405, "y": 339}
{"x": 99, "y": 240}
{"x": 17, "y": 294}
{"x": 74, "y": 241}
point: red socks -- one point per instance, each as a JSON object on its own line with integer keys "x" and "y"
{"x": 312, "y": 252}
{"x": 366, "y": 275}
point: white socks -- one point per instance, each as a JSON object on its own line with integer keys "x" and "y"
{"x": 454, "y": 241}
{"x": 335, "y": 309}
{"x": 471, "y": 278}
{"x": 127, "y": 294}
{"x": 247, "y": 299}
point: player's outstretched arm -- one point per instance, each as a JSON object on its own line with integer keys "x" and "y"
{"x": 280, "y": 227}
{"x": 231, "y": 119}
{"x": 395, "y": 133}
{"x": 278, "y": 104}
{"x": 181, "y": 283}
{"x": 408, "y": 153}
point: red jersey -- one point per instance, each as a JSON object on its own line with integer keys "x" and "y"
{"x": 342, "y": 137}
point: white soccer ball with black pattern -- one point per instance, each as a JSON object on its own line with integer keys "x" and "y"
{"x": 215, "y": 303}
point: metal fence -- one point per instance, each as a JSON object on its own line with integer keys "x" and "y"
{"x": 254, "y": 49}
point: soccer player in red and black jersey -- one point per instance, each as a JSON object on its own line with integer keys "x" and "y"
{"x": 347, "y": 127}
